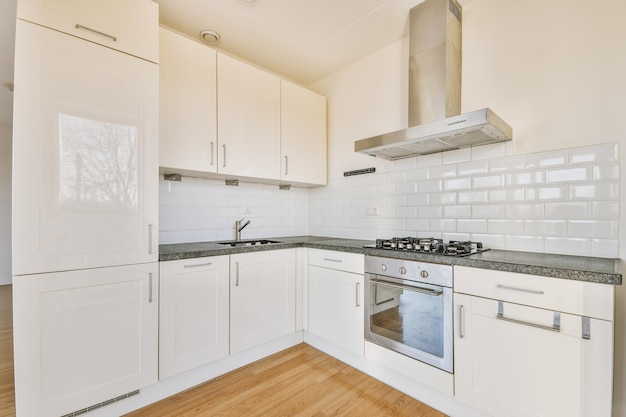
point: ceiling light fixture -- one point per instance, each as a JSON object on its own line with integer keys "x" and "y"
{"x": 210, "y": 36}
{"x": 248, "y": 2}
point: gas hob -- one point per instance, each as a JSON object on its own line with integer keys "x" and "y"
{"x": 429, "y": 245}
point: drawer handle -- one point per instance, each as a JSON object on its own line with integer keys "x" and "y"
{"x": 197, "y": 265}
{"x": 332, "y": 260}
{"x": 556, "y": 323}
{"x": 97, "y": 32}
{"x": 505, "y": 287}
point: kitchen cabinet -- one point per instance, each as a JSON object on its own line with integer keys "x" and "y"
{"x": 262, "y": 297}
{"x": 187, "y": 105}
{"x": 126, "y": 26}
{"x": 84, "y": 154}
{"x": 248, "y": 120}
{"x": 533, "y": 346}
{"x": 193, "y": 313}
{"x": 303, "y": 135}
{"x": 336, "y": 310}
{"x": 83, "y": 337}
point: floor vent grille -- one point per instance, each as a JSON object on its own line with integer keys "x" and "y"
{"x": 100, "y": 405}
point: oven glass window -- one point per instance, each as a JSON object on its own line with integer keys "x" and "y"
{"x": 412, "y": 318}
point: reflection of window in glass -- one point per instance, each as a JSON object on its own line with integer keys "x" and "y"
{"x": 99, "y": 163}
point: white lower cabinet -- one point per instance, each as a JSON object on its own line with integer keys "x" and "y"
{"x": 336, "y": 310}
{"x": 193, "y": 313}
{"x": 83, "y": 337}
{"x": 262, "y": 297}
{"x": 514, "y": 360}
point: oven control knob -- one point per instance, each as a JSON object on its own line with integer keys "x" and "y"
{"x": 424, "y": 274}
{"x": 402, "y": 270}
{"x": 383, "y": 267}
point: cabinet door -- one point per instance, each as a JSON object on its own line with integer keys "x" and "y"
{"x": 83, "y": 337}
{"x": 85, "y": 170}
{"x": 193, "y": 313}
{"x": 336, "y": 308}
{"x": 128, "y": 26}
{"x": 262, "y": 297}
{"x": 303, "y": 135}
{"x": 516, "y": 369}
{"x": 248, "y": 113}
{"x": 187, "y": 101}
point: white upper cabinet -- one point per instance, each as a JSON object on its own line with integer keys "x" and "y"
{"x": 303, "y": 135}
{"x": 187, "y": 101}
{"x": 127, "y": 26}
{"x": 84, "y": 154}
{"x": 248, "y": 114}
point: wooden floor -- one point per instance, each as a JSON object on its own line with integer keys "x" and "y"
{"x": 7, "y": 388}
{"x": 300, "y": 381}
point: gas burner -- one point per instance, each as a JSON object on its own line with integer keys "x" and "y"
{"x": 430, "y": 245}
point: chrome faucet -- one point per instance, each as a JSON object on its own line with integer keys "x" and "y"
{"x": 239, "y": 227}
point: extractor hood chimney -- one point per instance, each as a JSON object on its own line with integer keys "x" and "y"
{"x": 435, "y": 121}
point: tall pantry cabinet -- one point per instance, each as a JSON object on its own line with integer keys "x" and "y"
{"x": 85, "y": 190}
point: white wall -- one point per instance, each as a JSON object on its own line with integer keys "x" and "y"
{"x": 5, "y": 204}
{"x": 553, "y": 70}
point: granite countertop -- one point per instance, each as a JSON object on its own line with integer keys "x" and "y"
{"x": 580, "y": 268}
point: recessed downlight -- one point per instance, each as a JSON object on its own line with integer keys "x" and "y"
{"x": 210, "y": 36}
{"x": 248, "y": 2}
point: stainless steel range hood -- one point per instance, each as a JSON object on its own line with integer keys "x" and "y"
{"x": 435, "y": 92}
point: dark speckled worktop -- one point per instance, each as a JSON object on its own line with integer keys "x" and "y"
{"x": 601, "y": 270}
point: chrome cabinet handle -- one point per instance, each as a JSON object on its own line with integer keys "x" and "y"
{"x": 505, "y": 287}
{"x": 461, "y": 320}
{"x": 586, "y": 327}
{"x": 97, "y": 32}
{"x": 358, "y": 294}
{"x": 150, "y": 287}
{"x": 197, "y": 265}
{"x": 224, "y": 161}
{"x": 150, "y": 239}
{"x": 212, "y": 154}
{"x": 332, "y": 260}
{"x": 236, "y": 274}
{"x": 556, "y": 323}
{"x": 286, "y": 165}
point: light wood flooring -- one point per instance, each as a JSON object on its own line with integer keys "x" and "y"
{"x": 7, "y": 388}
{"x": 300, "y": 381}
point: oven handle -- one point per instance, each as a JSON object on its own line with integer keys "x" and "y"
{"x": 422, "y": 290}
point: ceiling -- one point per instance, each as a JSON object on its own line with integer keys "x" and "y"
{"x": 303, "y": 40}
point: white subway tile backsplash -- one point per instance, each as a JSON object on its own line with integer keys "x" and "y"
{"x": 563, "y": 201}
{"x": 489, "y": 211}
{"x": 596, "y": 153}
{"x": 457, "y": 212}
{"x": 546, "y": 159}
{"x": 443, "y": 171}
{"x": 505, "y": 226}
{"x": 568, "y": 210}
{"x": 606, "y": 172}
{"x": 488, "y": 181}
{"x": 592, "y": 228}
{"x": 602, "y": 191}
{"x": 572, "y": 174}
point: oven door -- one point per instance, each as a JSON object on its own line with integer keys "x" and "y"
{"x": 411, "y": 318}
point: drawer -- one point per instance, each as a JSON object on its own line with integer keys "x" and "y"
{"x": 568, "y": 296}
{"x": 342, "y": 261}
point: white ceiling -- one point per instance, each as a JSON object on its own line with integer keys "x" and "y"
{"x": 304, "y": 40}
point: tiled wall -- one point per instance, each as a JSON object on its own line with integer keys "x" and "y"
{"x": 198, "y": 210}
{"x": 562, "y": 201}
{"x": 558, "y": 202}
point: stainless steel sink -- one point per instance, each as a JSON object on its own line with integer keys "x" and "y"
{"x": 254, "y": 242}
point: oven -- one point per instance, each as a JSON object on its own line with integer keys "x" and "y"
{"x": 408, "y": 308}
